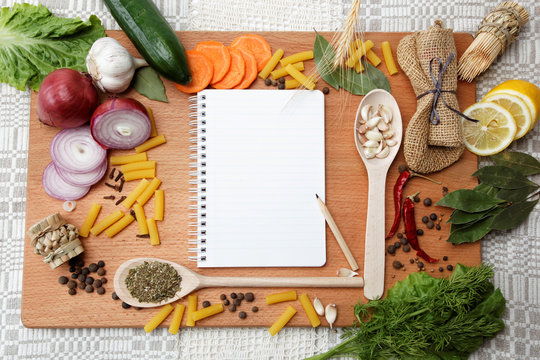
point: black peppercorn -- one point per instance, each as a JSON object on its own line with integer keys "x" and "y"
{"x": 237, "y": 302}
{"x": 399, "y": 235}
{"x": 281, "y": 86}
{"x": 74, "y": 275}
{"x": 427, "y": 202}
{"x": 268, "y": 81}
{"x": 241, "y": 296}
{"x": 416, "y": 199}
{"x": 425, "y": 219}
{"x": 445, "y": 257}
{"x": 250, "y": 297}
{"x": 89, "y": 288}
{"x": 242, "y": 315}
{"x": 325, "y": 90}
{"x": 441, "y": 269}
{"x": 101, "y": 271}
{"x": 125, "y": 305}
{"x": 232, "y": 308}
{"x": 255, "y": 309}
{"x": 81, "y": 285}
{"x": 430, "y": 225}
{"x": 72, "y": 269}
{"x": 89, "y": 280}
{"x": 103, "y": 280}
{"x": 419, "y": 232}
{"x": 450, "y": 268}
{"x": 93, "y": 267}
{"x": 404, "y": 241}
{"x": 233, "y": 295}
{"x": 97, "y": 283}
{"x": 438, "y": 227}
{"x": 63, "y": 280}
{"x": 281, "y": 80}
{"x": 397, "y": 244}
{"x": 82, "y": 278}
{"x": 205, "y": 304}
{"x": 101, "y": 290}
{"x": 406, "y": 248}
{"x": 85, "y": 271}
{"x": 101, "y": 263}
{"x": 71, "y": 284}
{"x": 222, "y": 296}
{"x": 420, "y": 264}
{"x": 397, "y": 264}
{"x": 114, "y": 296}
{"x": 411, "y": 261}
{"x": 72, "y": 291}
{"x": 433, "y": 216}
{"x": 226, "y": 302}
{"x": 391, "y": 249}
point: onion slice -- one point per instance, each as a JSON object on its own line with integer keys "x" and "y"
{"x": 75, "y": 150}
{"x": 121, "y": 123}
{"x": 59, "y": 189}
{"x": 83, "y": 179}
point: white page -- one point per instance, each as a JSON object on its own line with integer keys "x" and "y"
{"x": 264, "y": 165}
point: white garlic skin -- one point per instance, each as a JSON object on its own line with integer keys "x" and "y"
{"x": 111, "y": 65}
{"x": 318, "y": 306}
{"x": 331, "y": 314}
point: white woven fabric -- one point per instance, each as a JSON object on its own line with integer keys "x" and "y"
{"x": 515, "y": 253}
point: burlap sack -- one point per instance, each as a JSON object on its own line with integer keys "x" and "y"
{"x": 428, "y": 147}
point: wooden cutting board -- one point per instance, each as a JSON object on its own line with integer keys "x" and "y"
{"x": 46, "y": 303}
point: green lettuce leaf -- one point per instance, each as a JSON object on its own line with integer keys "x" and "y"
{"x": 34, "y": 42}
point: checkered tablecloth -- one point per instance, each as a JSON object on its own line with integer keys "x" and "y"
{"x": 515, "y": 253}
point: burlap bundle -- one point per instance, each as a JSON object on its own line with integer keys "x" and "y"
{"x": 431, "y": 147}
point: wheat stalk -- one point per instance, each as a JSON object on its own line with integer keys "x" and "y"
{"x": 347, "y": 35}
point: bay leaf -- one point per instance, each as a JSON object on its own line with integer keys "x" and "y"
{"x": 469, "y": 200}
{"x": 515, "y": 195}
{"x": 324, "y": 55}
{"x": 462, "y": 217}
{"x": 503, "y": 177}
{"x": 148, "y": 83}
{"x": 524, "y": 163}
{"x": 470, "y": 233}
{"x": 513, "y": 215}
{"x": 487, "y": 189}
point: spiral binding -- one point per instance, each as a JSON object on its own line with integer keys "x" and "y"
{"x": 197, "y": 173}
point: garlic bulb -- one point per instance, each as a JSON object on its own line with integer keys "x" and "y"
{"x": 331, "y": 314}
{"x": 111, "y": 66}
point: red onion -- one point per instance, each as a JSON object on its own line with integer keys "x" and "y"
{"x": 76, "y": 151}
{"x": 121, "y": 123}
{"x": 59, "y": 189}
{"x": 66, "y": 99}
{"x": 84, "y": 179}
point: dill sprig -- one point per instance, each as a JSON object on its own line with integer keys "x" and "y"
{"x": 423, "y": 317}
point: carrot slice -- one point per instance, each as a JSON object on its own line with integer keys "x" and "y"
{"x": 236, "y": 72}
{"x": 251, "y": 69}
{"x": 257, "y": 45}
{"x": 218, "y": 55}
{"x": 201, "y": 72}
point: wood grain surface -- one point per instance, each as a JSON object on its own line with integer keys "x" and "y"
{"x": 46, "y": 303}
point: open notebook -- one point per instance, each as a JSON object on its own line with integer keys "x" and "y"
{"x": 259, "y": 163}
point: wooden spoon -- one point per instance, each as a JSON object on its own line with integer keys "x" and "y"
{"x": 377, "y": 170}
{"x": 192, "y": 281}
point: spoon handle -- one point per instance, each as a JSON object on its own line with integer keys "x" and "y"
{"x": 374, "y": 248}
{"x": 331, "y": 282}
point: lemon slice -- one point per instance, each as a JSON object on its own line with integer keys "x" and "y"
{"x": 526, "y": 91}
{"x": 494, "y": 131}
{"x": 516, "y": 107}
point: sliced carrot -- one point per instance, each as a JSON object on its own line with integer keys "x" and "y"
{"x": 201, "y": 72}
{"x": 251, "y": 69}
{"x": 218, "y": 55}
{"x": 236, "y": 72}
{"x": 257, "y": 45}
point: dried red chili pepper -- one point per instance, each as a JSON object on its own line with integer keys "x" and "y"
{"x": 398, "y": 196}
{"x": 410, "y": 229}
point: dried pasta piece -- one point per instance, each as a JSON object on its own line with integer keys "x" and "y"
{"x": 282, "y": 320}
{"x": 90, "y": 220}
{"x": 359, "y": 67}
{"x": 141, "y": 219}
{"x": 158, "y": 318}
{"x": 126, "y": 159}
{"x": 105, "y": 223}
{"x": 373, "y": 58}
{"x": 271, "y": 64}
{"x": 151, "y": 143}
{"x": 152, "y": 229}
{"x": 362, "y": 48}
{"x": 159, "y": 203}
{"x": 177, "y": 318}
{"x": 304, "y": 80}
{"x": 276, "y": 74}
{"x": 119, "y": 225}
{"x": 139, "y": 174}
{"x": 310, "y": 310}
{"x": 294, "y": 58}
{"x": 135, "y": 193}
{"x": 388, "y": 58}
{"x": 280, "y": 297}
{"x": 149, "y": 191}
{"x": 139, "y": 165}
{"x": 207, "y": 311}
{"x": 153, "y": 131}
{"x": 191, "y": 308}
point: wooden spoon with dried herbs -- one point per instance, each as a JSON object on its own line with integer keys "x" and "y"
{"x": 151, "y": 282}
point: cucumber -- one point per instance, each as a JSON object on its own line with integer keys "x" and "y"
{"x": 152, "y": 36}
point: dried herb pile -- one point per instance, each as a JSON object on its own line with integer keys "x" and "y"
{"x": 153, "y": 282}
{"x": 423, "y": 317}
{"x": 504, "y": 198}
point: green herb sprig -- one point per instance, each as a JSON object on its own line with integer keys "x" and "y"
{"x": 504, "y": 198}
{"x": 423, "y": 317}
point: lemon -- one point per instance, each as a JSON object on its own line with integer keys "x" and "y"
{"x": 526, "y": 91}
{"x": 517, "y": 107}
{"x": 494, "y": 131}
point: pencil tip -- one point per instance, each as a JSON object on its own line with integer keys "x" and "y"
{"x": 317, "y": 196}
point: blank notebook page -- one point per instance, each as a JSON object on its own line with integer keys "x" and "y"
{"x": 264, "y": 162}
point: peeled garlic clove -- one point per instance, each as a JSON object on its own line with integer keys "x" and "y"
{"x": 388, "y": 134}
{"x": 364, "y": 113}
{"x": 374, "y": 135}
{"x": 386, "y": 113}
{"x": 362, "y": 139}
{"x": 382, "y": 126}
{"x": 383, "y": 153}
{"x": 371, "y": 144}
{"x": 331, "y": 314}
{"x": 362, "y": 129}
{"x": 371, "y": 123}
{"x": 391, "y": 142}
{"x": 370, "y": 153}
{"x": 344, "y": 272}
{"x": 319, "y": 308}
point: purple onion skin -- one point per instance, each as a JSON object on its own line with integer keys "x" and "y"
{"x": 66, "y": 99}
